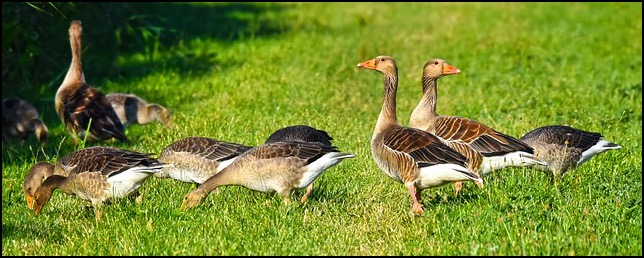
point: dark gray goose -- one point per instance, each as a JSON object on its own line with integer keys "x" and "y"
{"x": 20, "y": 120}
{"x": 413, "y": 157}
{"x": 132, "y": 109}
{"x": 278, "y": 167}
{"x": 564, "y": 148}
{"x": 486, "y": 149}
{"x": 94, "y": 174}
{"x": 78, "y": 103}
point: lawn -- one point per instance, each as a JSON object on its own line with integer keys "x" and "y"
{"x": 238, "y": 72}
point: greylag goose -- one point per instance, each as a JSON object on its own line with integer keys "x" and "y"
{"x": 132, "y": 109}
{"x": 413, "y": 157}
{"x": 278, "y": 167}
{"x": 80, "y": 105}
{"x": 98, "y": 174}
{"x": 565, "y": 148}
{"x": 195, "y": 159}
{"x": 485, "y": 148}
{"x": 20, "y": 119}
{"x": 301, "y": 133}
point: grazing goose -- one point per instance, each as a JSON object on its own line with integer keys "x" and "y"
{"x": 485, "y": 148}
{"x": 564, "y": 148}
{"x": 195, "y": 159}
{"x": 132, "y": 109}
{"x": 411, "y": 156}
{"x": 20, "y": 120}
{"x": 278, "y": 167}
{"x": 107, "y": 173}
{"x": 81, "y": 160}
{"x": 301, "y": 133}
{"x": 80, "y": 105}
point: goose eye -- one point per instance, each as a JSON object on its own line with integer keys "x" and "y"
{"x": 382, "y": 59}
{"x": 436, "y": 63}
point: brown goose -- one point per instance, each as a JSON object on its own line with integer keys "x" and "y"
{"x": 92, "y": 158}
{"x": 278, "y": 167}
{"x": 77, "y": 102}
{"x": 195, "y": 159}
{"x": 132, "y": 109}
{"x": 301, "y": 133}
{"x": 414, "y": 157}
{"x": 20, "y": 119}
{"x": 485, "y": 148}
{"x": 565, "y": 148}
{"x": 109, "y": 173}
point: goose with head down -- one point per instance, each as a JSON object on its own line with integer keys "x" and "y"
{"x": 108, "y": 173}
{"x": 413, "y": 157}
{"x": 301, "y": 133}
{"x": 278, "y": 167}
{"x": 195, "y": 159}
{"x": 564, "y": 148}
{"x": 80, "y": 105}
{"x": 485, "y": 148}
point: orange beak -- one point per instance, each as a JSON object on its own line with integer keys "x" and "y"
{"x": 448, "y": 69}
{"x": 30, "y": 201}
{"x": 369, "y": 64}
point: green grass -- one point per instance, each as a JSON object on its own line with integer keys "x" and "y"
{"x": 523, "y": 65}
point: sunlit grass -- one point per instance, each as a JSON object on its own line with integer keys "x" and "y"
{"x": 523, "y": 65}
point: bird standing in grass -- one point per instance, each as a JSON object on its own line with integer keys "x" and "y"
{"x": 106, "y": 173}
{"x": 278, "y": 167}
{"x": 564, "y": 148}
{"x": 486, "y": 149}
{"x": 82, "y": 108}
{"x": 413, "y": 157}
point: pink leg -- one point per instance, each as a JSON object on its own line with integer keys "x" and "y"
{"x": 417, "y": 207}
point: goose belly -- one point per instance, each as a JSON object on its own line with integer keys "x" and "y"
{"x": 438, "y": 175}
{"x": 125, "y": 183}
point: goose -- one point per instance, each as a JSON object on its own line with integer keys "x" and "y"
{"x": 302, "y": 133}
{"x": 107, "y": 173}
{"x": 195, "y": 159}
{"x": 413, "y": 157}
{"x": 564, "y": 148}
{"x": 20, "y": 119}
{"x": 278, "y": 167}
{"x": 485, "y": 148}
{"x": 80, "y": 105}
{"x": 91, "y": 158}
{"x": 132, "y": 109}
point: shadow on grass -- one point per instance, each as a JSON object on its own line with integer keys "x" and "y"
{"x": 150, "y": 36}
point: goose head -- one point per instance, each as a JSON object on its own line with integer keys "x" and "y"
{"x": 76, "y": 29}
{"x": 34, "y": 179}
{"x": 436, "y": 68}
{"x": 383, "y": 64}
